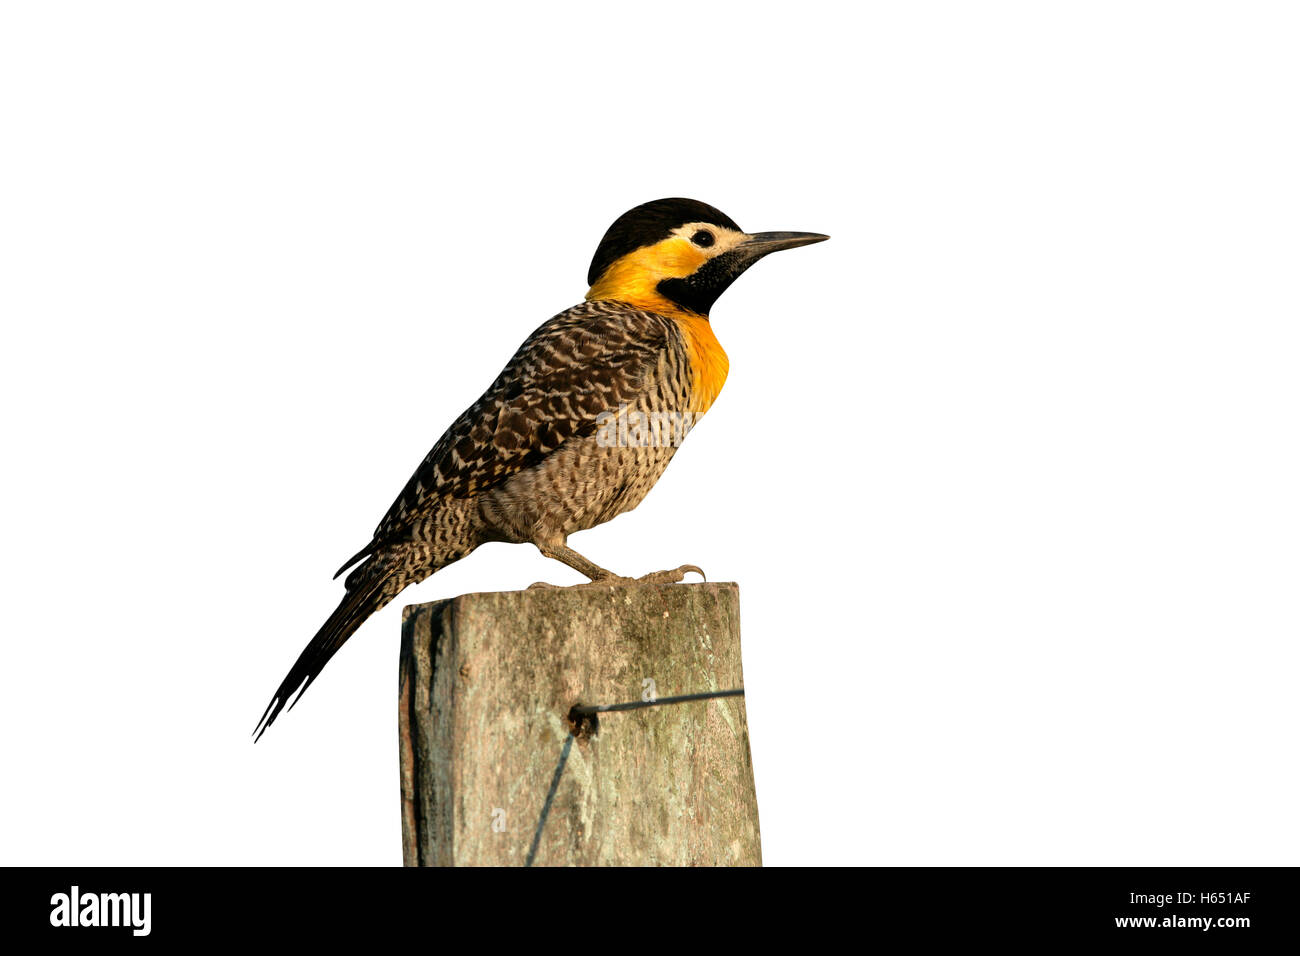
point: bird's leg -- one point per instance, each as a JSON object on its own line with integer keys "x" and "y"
{"x": 562, "y": 552}
{"x": 598, "y": 575}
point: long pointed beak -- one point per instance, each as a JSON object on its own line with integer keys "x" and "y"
{"x": 761, "y": 243}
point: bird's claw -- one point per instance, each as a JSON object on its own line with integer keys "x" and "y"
{"x": 671, "y": 577}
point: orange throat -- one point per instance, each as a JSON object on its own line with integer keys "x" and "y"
{"x": 708, "y": 361}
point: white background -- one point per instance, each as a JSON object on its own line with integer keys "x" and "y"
{"x": 1007, "y": 470}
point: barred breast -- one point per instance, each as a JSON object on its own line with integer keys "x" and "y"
{"x": 594, "y": 478}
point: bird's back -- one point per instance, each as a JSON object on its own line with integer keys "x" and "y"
{"x": 574, "y": 430}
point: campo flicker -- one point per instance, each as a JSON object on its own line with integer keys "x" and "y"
{"x": 578, "y": 426}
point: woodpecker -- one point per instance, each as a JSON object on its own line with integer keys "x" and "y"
{"x": 578, "y": 426}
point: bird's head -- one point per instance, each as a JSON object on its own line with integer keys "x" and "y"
{"x": 678, "y": 254}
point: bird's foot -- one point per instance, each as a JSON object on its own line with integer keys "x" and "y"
{"x": 654, "y": 577}
{"x": 670, "y": 577}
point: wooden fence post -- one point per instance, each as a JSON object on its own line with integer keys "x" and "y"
{"x": 497, "y": 769}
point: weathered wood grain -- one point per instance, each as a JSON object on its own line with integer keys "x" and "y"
{"x": 487, "y": 684}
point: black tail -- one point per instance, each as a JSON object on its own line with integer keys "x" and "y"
{"x": 364, "y": 598}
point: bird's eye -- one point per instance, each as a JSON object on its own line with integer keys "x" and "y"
{"x": 703, "y": 238}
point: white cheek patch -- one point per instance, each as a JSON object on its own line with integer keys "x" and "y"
{"x": 724, "y": 239}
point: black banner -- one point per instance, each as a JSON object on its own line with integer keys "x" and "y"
{"x": 1229, "y": 906}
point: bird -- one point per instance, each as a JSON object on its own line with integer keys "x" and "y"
{"x": 576, "y": 429}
